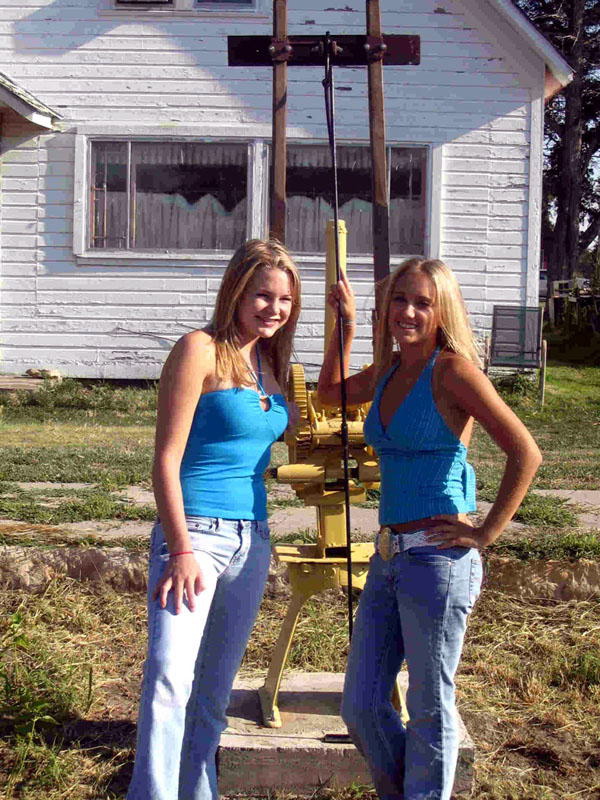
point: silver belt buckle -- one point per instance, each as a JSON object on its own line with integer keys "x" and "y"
{"x": 385, "y": 543}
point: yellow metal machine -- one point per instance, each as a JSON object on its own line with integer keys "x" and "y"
{"x": 316, "y": 473}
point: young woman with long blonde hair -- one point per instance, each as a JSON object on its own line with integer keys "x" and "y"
{"x": 221, "y": 406}
{"x": 426, "y": 572}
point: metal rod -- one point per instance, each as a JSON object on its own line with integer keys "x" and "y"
{"x": 328, "y": 86}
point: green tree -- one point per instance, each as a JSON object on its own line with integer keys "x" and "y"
{"x": 571, "y": 212}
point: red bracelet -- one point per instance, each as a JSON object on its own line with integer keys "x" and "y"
{"x": 182, "y": 553}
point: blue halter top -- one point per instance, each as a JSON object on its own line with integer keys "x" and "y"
{"x": 227, "y": 452}
{"x": 424, "y": 468}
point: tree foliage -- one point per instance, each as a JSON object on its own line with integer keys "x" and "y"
{"x": 571, "y": 213}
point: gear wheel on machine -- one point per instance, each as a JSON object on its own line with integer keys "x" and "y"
{"x": 297, "y": 391}
{"x": 299, "y": 443}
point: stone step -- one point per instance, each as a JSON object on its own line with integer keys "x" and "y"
{"x": 294, "y": 758}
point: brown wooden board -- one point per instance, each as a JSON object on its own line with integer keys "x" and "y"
{"x": 253, "y": 51}
{"x": 278, "y": 206}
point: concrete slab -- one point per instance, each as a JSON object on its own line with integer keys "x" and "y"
{"x": 586, "y": 501}
{"x": 584, "y": 497}
{"x": 41, "y": 485}
{"x": 294, "y": 758}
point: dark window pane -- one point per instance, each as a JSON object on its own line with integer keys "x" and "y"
{"x": 189, "y": 196}
{"x": 310, "y": 198}
{"x": 108, "y": 195}
{"x": 144, "y": 2}
{"x": 407, "y": 200}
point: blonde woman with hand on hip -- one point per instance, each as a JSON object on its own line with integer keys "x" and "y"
{"x": 426, "y": 572}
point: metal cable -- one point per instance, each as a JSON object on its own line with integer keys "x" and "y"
{"x": 328, "y": 86}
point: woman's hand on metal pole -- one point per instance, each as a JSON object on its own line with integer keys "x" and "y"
{"x": 341, "y": 299}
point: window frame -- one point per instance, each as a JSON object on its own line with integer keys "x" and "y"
{"x": 257, "y": 196}
{"x": 259, "y": 9}
{"x": 259, "y": 144}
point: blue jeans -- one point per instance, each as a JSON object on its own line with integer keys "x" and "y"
{"x": 413, "y": 607}
{"x": 193, "y": 658}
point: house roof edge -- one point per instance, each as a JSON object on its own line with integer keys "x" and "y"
{"x": 554, "y": 61}
{"x": 26, "y": 104}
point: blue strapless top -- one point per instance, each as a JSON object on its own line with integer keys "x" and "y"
{"x": 424, "y": 468}
{"x": 227, "y": 453}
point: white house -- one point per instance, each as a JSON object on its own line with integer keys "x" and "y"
{"x": 134, "y": 159}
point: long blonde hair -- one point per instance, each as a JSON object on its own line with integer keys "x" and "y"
{"x": 247, "y": 261}
{"x": 454, "y": 331}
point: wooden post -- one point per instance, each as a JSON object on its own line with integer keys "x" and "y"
{"x": 301, "y": 50}
{"x": 279, "y": 52}
{"x": 542, "y": 375}
{"x": 381, "y": 234}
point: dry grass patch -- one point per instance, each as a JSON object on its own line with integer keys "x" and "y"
{"x": 530, "y": 694}
{"x": 37, "y": 434}
{"x": 529, "y": 690}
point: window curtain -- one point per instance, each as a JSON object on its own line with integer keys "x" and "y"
{"x": 189, "y": 195}
{"x": 310, "y": 198}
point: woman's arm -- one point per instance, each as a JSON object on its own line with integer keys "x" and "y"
{"x": 359, "y": 387}
{"x": 180, "y": 389}
{"x": 469, "y": 389}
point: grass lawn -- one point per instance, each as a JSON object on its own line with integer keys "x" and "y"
{"x": 567, "y": 430}
{"x": 113, "y": 447}
{"x": 70, "y": 659}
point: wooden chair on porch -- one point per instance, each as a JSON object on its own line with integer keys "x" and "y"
{"x": 516, "y": 341}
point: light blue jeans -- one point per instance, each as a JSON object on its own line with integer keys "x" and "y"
{"x": 193, "y": 658}
{"x": 414, "y": 607}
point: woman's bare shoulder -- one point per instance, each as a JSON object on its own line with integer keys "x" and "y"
{"x": 453, "y": 365}
{"x": 456, "y": 374}
{"x": 198, "y": 344}
{"x": 194, "y": 352}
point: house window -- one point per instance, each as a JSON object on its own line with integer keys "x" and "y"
{"x": 144, "y": 2}
{"x": 310, "y": 197}
{"x": 167, "y": 195}
{"x": 228, "y": 3}
{"x": 187, "y": 5}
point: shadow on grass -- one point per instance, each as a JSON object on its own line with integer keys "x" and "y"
{"x": 112, "y": 741}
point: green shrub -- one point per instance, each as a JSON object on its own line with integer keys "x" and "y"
{"x": 516, "y": 385}
{"x": 573, "y": 347}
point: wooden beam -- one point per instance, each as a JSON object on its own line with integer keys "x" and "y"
{"x": 279, "y": 52}
{"x": 307, "y": 51}
{"x": 381, "y": 234}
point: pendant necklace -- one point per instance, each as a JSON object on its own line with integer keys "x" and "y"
{"x": 258, "y": 379}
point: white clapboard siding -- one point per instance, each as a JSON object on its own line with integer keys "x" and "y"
{"x": 469, "y": 99}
